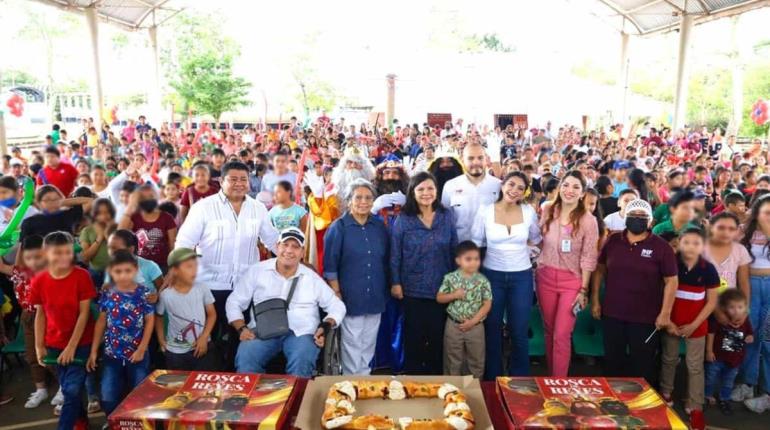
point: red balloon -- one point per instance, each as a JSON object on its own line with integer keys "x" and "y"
{"x": 15, "y": 105}
{"x": 759, "y": 112}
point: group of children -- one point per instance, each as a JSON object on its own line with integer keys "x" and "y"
{"x": 63, "y": 333}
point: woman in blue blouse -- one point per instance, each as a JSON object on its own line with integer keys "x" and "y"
{"x": 356, "y": 266}
{"x": 422, "y": 243}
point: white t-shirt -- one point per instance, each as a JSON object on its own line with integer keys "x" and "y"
{"x": 615, "y": 222}
{"x": 186, "y": 316}
{"x": 493, "y": 147}
{"x": 506, "y": 251}
{"x": 465, "y": 199}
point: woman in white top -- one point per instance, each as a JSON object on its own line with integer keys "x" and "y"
{"x": 508, "y": 229}
{"x": 616, "y": 221}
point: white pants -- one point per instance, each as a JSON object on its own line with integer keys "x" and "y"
{"x": 359, "y": 337}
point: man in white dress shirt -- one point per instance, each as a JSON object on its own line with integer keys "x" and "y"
{"x": 225, "y": 228}
{"x": 272, "y": 279}
{"x": 466, "y": 193}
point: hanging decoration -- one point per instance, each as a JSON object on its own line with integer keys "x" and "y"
{"x": 15, "y": 105}
{"x": 759, "y": 112}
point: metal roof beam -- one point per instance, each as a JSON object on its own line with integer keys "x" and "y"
{"x": 620, "y": 11}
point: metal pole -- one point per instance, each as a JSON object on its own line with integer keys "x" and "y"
{"x": 391, "y": 105}
{"x": 623, "y": 78}
{"x": 682, "y": 76}
{"x": 98, "y": 97}
{"x": 155, "y": 98}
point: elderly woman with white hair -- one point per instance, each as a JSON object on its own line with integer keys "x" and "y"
{"x": 356, "y": 266}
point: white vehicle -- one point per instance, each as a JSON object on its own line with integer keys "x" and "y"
{"x": 34, "y": 122}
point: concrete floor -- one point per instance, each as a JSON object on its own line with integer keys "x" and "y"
{"x": 16, "y": 382}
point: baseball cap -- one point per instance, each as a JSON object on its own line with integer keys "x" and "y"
{"x": 292, "y": 233}
{"x": 180, "y": 255}
{"x": 16, "y": 162}
{"x": 639, "y": 205}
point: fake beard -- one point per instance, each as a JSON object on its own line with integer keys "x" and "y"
{"x": 389, "y": 186}
{"x": 348, "y": 176}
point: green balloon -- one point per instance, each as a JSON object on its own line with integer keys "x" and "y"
{"x": 10, "y": 236}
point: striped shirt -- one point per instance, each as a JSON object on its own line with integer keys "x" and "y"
{"x": 226, "y": 241}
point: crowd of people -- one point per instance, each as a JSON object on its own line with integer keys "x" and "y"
{"x": 427, "y": 247}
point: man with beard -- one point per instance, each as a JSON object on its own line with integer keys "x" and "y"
{"x": 445, "y": 166}
{"x": 466, "y": 193}
{"x": 325, "y": 205}
{"x": 391, "y": 186}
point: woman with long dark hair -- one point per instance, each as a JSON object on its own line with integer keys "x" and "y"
{"x": 637, "y": 181}
{"x": 570, "y": 239}
{"x": 756, "y": 239}
{"x": 423, "y": 239}
{"x": 507, "y": 228}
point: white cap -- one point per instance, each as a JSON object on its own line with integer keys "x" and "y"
{"x": 16, "y": 162}
{"x": 639, "y": 205}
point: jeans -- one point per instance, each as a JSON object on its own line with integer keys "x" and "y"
{"x": 758, "y": 352}
{"x": 719, "y": 372}
{"x": 301, "y": 353}
{"x": 72, "y": 383}
{"x": 119, "y": 377}
{"x": 557, "y": 290}
{"x": 512, "y": 294}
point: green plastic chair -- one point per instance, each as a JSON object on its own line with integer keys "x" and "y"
{"x": 16, "y": 346}
{"x": 588, "y": 337}
{"x": 537, "y": 338}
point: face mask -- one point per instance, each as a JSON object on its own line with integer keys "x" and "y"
{"x": 636, "y": 225}
{"x": 8, "y": 203}
{"x": 148, "y": 205}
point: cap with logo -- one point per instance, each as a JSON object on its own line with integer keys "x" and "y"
{"x": 292, "y": 233}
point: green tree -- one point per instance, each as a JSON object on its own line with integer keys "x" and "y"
{"x": 17, "y": 77}
{"x": 206, "y": 83}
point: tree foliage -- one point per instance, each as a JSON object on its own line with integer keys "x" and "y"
{"x": 207, "y": 84}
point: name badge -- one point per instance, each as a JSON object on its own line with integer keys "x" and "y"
{"x": 566, "y": 245}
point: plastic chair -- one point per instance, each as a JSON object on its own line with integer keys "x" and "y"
{"x": 588, "y": 338}
{"x": 537, "y": 339}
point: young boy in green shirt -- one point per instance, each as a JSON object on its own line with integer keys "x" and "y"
{"x": 469, "y": 296}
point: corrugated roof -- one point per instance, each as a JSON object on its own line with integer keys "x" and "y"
{"x": 651, "y": 16}
{"x": 130, "y": 14}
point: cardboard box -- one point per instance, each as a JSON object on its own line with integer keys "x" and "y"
{"x": 198, "y": 400}
{"x": 315, "y": 396}
{"x": 585, "y": 403}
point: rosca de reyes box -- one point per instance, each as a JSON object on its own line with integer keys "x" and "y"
{"x": 585, "y": 403}
{"x": 202, "y": 400}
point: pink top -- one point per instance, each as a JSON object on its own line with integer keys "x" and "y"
{"x": 728, "y": 269}
{"x": 563, "y": 250}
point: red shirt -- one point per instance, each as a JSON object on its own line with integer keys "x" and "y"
{"x": 691, "y": 293}
{"x": 60, "y": 300}
{"x": 21, "y": 277}
{"x": 153, "y": 237}
{"x": 63, "y": 177}
{"x": 191, "y": 192}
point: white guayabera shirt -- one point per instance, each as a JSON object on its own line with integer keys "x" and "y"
{"x": 226, "y": 241}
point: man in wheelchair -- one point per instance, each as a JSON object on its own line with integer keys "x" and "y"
{"x": 273, "y": 279}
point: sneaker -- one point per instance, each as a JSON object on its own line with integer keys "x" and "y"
{"x": 58, "y": 399}
{"x": 741, "y": 393}
{"x": 725, "y": 407}
{"x": 697, "y": 420}
{"x": 711, "y": 401}
{"x": 57, "y": 410}
{"x": 94, "y": 406}
{"x": 667, "y": 398}
{"x": 758, "y": 404}
{"x": 4, "y": 400}
{"x": 36, "y": 398}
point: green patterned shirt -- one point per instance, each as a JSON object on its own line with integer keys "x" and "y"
{"x": 477, "y": 291}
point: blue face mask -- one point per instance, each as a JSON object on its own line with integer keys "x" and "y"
{"x": 8, "y": 203}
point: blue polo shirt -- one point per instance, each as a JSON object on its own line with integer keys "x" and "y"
{"x": 356, "y": 256}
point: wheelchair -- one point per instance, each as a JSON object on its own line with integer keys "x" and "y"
{"x": 329, "y": 361}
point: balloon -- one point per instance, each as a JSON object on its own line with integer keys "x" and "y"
{"x": 10, "y": 235}
{"x": 759, "y": 112}
{"x": 15, "y": 105}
